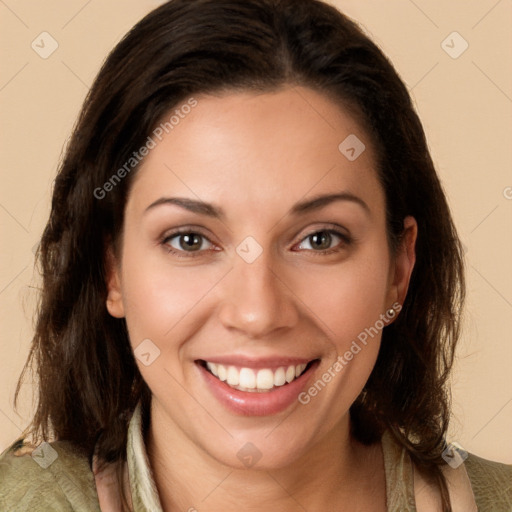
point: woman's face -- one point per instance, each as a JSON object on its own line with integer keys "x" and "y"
{"x": 255, "y": 248}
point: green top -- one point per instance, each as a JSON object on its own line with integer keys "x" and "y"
{"x": 55, "y": 477}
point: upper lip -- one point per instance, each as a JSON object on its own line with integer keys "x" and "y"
{"x": 260, "y": 362}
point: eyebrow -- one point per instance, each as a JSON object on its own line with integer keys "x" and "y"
{"x": 210, "y": 210}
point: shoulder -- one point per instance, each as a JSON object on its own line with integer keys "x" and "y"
{"x": 51, "y": 476}
{"x": 491, "y": 483}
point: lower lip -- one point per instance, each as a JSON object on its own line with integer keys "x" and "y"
{"x": 257, "y": 403}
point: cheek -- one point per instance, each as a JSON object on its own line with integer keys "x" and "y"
{"x": 348, "y": 302}
{"x": 349, "y": 297}
{"x": 158, "y": 296}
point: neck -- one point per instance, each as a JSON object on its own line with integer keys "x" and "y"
{"x": 336, "y": 468}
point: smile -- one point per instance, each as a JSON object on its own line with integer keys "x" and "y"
{"x": 255, "y": 380}
{"x": 257, "y": 388}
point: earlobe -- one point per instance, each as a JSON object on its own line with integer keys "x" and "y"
{"x": 405, "y": 259}
{"x": 114, "y": 301}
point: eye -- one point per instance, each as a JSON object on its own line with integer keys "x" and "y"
{"x": 186, "y": 242}
{"x": 191, "y": 243}
{"x": 322, "y": 241}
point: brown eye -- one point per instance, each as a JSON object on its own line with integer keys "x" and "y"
{"x": 324, "y": 241}
{"x": 187, "y": 242}
{"x": 190, "y": 241}
{"x": 321, "y": 240}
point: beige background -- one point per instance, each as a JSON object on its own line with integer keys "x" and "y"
{"x": 465, "y": 104}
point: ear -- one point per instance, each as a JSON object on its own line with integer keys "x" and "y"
{"x": 404, "y": 261}
{"x": 115, "y": 304}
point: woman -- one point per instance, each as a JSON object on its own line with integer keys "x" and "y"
{"x": 252, "y": 282}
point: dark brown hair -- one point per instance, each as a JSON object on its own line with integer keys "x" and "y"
{"x": 88, "y": 380}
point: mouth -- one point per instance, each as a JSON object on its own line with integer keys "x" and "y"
{"x": 261, "y": 388}
{"x": 256, "y": 380}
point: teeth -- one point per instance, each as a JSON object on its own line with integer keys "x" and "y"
{"x": 265, "y": 379}
{"x": 299, "y": 369}
{"x": 279, "y": 377}
{"x": 222, "y": 373}
{"x": 233, "y": 376}
{"x": 247, "y": 379}
{"x": 213, "y": 368}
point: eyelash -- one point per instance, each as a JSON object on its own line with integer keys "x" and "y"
{"x": 345, "y": 241}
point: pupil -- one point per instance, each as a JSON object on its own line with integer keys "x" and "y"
{"x": 321, "y": 240}
{"x": 191, "y": 241}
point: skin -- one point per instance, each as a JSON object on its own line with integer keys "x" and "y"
{"x": 255, "y": 156}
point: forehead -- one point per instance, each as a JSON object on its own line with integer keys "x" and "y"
{"x": 257, "y": 150}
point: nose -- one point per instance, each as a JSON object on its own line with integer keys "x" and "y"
{"x": 256, "y": 300}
